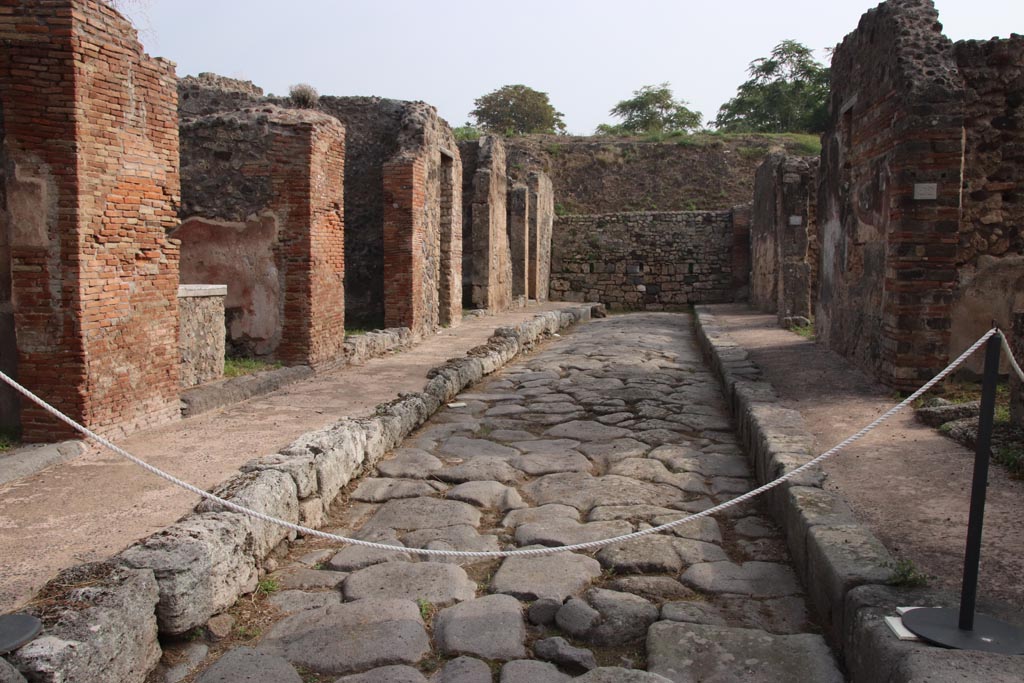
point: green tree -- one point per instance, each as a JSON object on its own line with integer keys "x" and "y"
{"x": 652, "y": 109}
{"x": 516, "y": 110}
{"x": 787, "y": 93}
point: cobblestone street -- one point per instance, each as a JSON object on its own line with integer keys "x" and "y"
{"x": 615, "y": 427}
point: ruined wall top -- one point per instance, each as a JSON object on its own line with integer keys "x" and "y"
{"x": 904, "y": 41}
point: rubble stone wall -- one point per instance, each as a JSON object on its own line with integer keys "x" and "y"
{"x": 782, "y": 238}
{"x": 91, "y": 188}
{"x": 201, "y": 333}
{"x": 991, "y": 250}
{"x": 262, "y": 208}
{"x": 646, "y": 261}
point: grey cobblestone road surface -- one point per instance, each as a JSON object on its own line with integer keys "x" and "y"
{"x": 614, "y": 427}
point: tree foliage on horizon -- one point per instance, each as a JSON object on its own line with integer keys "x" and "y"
{"x": 517, "y": 110}
{"x": 787, "y": 92}
{"x": 652, "y": 109}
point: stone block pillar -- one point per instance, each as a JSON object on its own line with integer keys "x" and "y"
{"x": 542, "y": 216}
{"x": 519, "y": 239}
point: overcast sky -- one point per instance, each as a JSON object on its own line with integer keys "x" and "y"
{"x": 586, "y": 55}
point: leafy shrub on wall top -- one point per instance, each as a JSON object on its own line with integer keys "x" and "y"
{"x": 304, "y": 96}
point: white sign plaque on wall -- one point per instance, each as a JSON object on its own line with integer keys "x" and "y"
{"x": 796, "y": 220}
{"x": 926, "y": 190}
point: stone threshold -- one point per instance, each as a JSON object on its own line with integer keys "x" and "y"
{"x": 844, "y": 567}
{"x": 102, "y": 619}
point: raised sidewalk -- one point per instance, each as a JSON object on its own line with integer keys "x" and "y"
{"x": 93, "y": 506}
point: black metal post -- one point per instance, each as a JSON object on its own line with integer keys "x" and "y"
{"x": 964, "y": 629}
{"x": 979, "y": 485}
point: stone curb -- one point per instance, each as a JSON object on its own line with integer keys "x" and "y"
{"x": 357, "y": 350}
{"x": 204, "y": 562}
{"x": 845, "y": 568}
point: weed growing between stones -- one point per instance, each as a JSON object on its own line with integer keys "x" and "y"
{"x": 906, "y": 574}
{"x": 236, "y": 367}
{"x": 805, "y": 331}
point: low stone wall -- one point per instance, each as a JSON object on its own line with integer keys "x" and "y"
{"x": 201, "y": 333}
{"x": 844, "y": 567}
{"x": 648, "y": 260}
{"x": 181, "y": 576}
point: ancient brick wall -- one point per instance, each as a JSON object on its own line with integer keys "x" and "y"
{"x": 519, "y": 239}
{"x": 741, "y": 218}
{"x": 991, "y": 250}
{"x": 484, "y": 226}
{"x": 201, "y": 333}
{"x": 262, "y": 208}
{"x": 888, "y": 205}
{"x": 649, "y": 261}
{"x": 542, "y": 215}
{"x": 782, "y": 238}
{"x": 91, "y": 179}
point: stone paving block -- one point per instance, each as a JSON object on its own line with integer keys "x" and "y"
{"x": 354, "y": 557}
{"x": 576, "y": 617}
{"x": 559, "y": 651}
{"x": 460, "y": 537}
{"x": 436, "y": 582}
{"x": 380, "y": 490}
{"x": 615, "y": 674}
{"x": 551, "y": 576}
{"x": 655, "y": 588}
{"x": 303, "y": 578}
{"x": 685, "y": 652}
{"x": 604, "y": 453}
{"x": 532, "y": 671}
{"x": 8, "y": 674}
{"x": 490, "y": 627}
{"x": 464, "y": 670}
{"x": 654, "y": 554}
{"x": 487, "y": 494}
{"x": 411, "y": 514}
{"x": 624, "y": 617}
{"x": 409, "y": 463}
{"x": 756, "y": 579}
{"x": 252, "y": 666}
{"x": 396, "y": 673}
{"x": 655, "y": 472}
{"x": 537, "y": 464}
{"x": 704, "y": 529}
{"x": 480, "y": 469}
{"x": 463, "y": 447}
{"x": 544, "y": 513}
{"x": 292, "y": 601}
{"x": 568, "y": 532}
{"x": 584, "y": 492}
{"x": 586, "y": 430}
{"x": 350, "y": 637}
{"x": 693, "y": 613}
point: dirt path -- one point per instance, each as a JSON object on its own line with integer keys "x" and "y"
{"x": 909, "y": 483}
{"x": 94, "y": 506}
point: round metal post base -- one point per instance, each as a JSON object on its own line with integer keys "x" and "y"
{"x": 940, "y": 626}
{"x": 16, "y": 630}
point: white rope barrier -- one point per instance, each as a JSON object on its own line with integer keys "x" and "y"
{"x": 532, "y": 552}
{"x": 1013, "y": 361}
